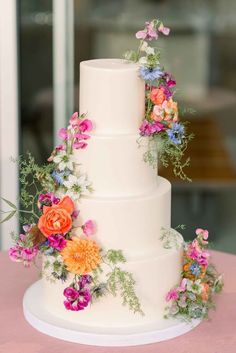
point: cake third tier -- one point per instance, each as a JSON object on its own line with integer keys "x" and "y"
{"x": 132, "y": 223}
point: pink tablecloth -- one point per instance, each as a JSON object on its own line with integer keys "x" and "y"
{"x": 16, "y": 336}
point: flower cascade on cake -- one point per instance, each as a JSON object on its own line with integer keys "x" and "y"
{"x": 49, "y": 194}
{"x": 167, "y": 137}
{"x": 193, "y": 297}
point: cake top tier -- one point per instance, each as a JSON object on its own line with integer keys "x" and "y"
{"x": 113, "y": 96}
{"x": 110, "y": 64}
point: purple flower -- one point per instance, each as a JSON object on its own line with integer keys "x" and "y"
{"x": 169, "y": 81}
{"x": 75, "y": 214}
{"x": 57, "y": 242}
{"x": 71, "y": 294}
{"x": 84, "y": 298}
{"x": 150, "y": 74}
{"x": 47, "y": 199}
{"x": 85, "y": 279}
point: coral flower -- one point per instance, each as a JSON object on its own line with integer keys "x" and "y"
{"x": 81, "y": 256}
{"x": 157, "y": 95}
{"x": 205, "y": 291}
{"x": 56, "y": 219}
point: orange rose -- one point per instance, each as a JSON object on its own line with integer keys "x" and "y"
{"x": 57, "y": 218}
{"x": 157, "y": 96}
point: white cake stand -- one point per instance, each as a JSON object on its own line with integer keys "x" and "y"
{"x": 48, "y": 324}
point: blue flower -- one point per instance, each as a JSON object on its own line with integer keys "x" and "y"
{"x": 149, "y": 74}
{"x": 176, "y": 133}
{"x": 194, "y": 268}
{"x": 49, "y": 251}
{"x": 59, "y": 177}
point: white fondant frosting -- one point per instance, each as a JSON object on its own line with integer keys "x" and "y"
{"x": 130, "y": 203}
{"x": 115, "y": 166}
{"x": 112, "y": 94}
{"x": 131, "y": 223}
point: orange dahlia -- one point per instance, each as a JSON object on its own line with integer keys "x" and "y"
{"x": 81, "y": 256}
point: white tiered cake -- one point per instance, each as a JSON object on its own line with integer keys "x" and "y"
{"x": 130, "y": 203}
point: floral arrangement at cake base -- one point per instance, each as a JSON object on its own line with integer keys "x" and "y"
{"x": 193, "y": 297}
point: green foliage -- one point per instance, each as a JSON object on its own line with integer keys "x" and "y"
{"x": 161, "y": 148}
{"x": 122, "y": 281}
{"x": 115, "y": 256}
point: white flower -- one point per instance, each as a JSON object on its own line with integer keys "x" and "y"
{"x": 76, "y": 185}
{"x": 64, "y": 161}
{"x": 147, "y": 49}
{"x": 194, "y": 287}
{"x": 143, "y": 60}
{"x": 53, "y": 265}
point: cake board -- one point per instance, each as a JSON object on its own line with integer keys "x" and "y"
{"x": 47, "y": 323}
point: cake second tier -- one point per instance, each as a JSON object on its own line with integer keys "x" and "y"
{"x": 115, "y": 165}
{"x": 132, "y": 223}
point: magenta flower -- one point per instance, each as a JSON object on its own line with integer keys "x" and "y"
{"x": 85, "y": 125}
{"x": 63, "y": 134}
{"x": 172, "y": 295}
{"x": 149, "y": 32}
{"x": 71, "y": 294}
{"x": 15, "y": 253}
{"x": 60, "y": 148}
{"x": 27, "y": 228}
{"x": 57, "y": 242}
{"x": 169, "y": 80}
{"x": 74, "y": 119}
{"x": 89, "y": 227}
{"x": 81, "y": 301}
{"x": 79, "y": 145}
{"x": 28, "y": 254}
{"x": 148, "y": 129}
{"x": 47, "y": 199}
{"x": 80, "y": 136}
{"x": 75, "y": 214}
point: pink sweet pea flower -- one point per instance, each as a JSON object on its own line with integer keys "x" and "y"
{"x": 183, "y": 285}
{"x": 28, "y": 254}
{"x": 148, "y": 33}
{"x": 85, "y": 125}
{"x": 89, "y": 227}
{"x": 74, "y": 119}
{"x": 204, "y": 233}
{"x": 79, "y": 145}
{"x": 63, "y": 134}
{"x": 172, "y": 295}
{"x": 164, "y": 30}
{"x": 81, "y": 136}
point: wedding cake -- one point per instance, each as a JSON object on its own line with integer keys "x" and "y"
{"x": 130, "y": 203}
{"x": 114, "y": 272}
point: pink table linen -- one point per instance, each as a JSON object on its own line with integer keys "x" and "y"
{"x": 218, "y": 335}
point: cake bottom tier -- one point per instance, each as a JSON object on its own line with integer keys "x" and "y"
{"x": 154, "y": 278}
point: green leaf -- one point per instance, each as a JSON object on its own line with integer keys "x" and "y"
{"x": 8, "y": 217}
{"x": 9, "y": 203}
